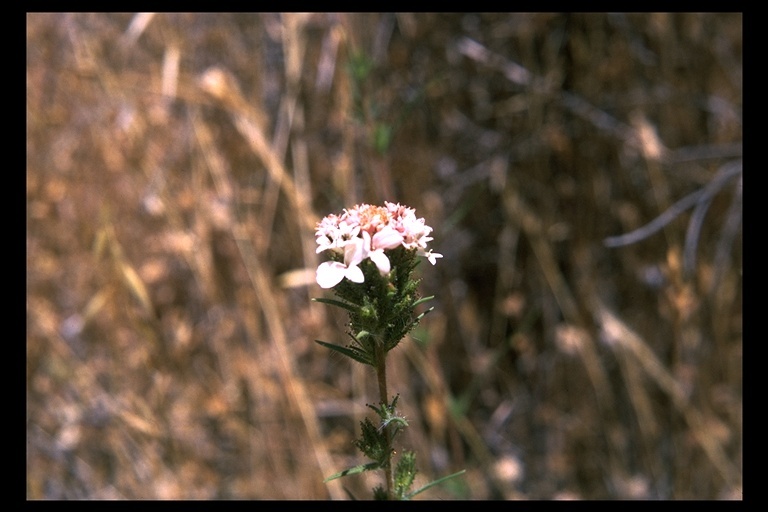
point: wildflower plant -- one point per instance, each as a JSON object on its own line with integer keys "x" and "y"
{"x": 373, "y": 252}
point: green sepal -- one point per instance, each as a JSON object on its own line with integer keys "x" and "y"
{"x": 354, "y": 470}
{"x": 352, "y": 352}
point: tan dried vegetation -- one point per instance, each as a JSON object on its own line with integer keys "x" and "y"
{"x": 177, "y": 163}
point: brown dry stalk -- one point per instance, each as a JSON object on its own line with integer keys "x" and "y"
{"x": 518, "y": 212}
{"x": 265, "y": 290}
{"x": 294, "y": 41}
{"x": 222, "y": 86}
{"x": 621, "y": 337}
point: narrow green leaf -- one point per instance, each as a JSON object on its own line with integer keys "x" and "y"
{"x": 354, "y": 470}
{"x": 422, "y": 301}
{"x": 435, "y": 482}
{"x": 416, "y": 321}
{"x": 344, "y": 305}
{"x": 418, "y": 318}
{"x": 355, "y": 354}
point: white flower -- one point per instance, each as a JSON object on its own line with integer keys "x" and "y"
{"x": 387, "y": 238}
{"x": 368, "y": 231}
{"x": 330, "y": 273}
{"x": 333, "y": 233}
{"x": 431, "y": 256}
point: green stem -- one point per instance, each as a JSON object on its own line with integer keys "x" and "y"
{"x": 381, "y": 374}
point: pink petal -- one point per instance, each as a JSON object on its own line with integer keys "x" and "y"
{"x": 432, "y": 257}
{"x": 354, "y": 274}
{"x": 381, "y": 261}
{"x": 387, "y": 238}
{"x": 330, "y": 273}
{"x": 354, "y": 252}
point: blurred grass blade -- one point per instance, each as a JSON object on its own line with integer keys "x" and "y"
{"x": 137, "y": 288}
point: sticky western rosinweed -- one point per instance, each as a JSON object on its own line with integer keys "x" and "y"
{"x": 373, "y": 252}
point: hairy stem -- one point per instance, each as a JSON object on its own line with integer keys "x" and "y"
{"x": 381, "y": 374}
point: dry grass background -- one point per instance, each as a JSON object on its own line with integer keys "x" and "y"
{"x": 177, "y": 163}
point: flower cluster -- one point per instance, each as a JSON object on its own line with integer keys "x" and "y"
{"x": 367, "y": 231}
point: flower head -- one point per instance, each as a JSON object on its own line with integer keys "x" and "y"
{"x": 368, "y": 231}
